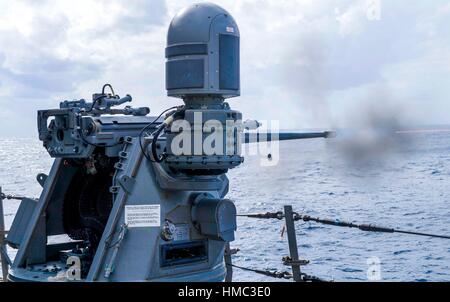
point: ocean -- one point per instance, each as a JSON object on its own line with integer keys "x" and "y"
{"x": 404, "y": 188}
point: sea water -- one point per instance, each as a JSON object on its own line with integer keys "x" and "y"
{"x": 405, "y": 188}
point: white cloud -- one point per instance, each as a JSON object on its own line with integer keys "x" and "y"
{"x": 304, "y": 62}
{"x": 353, "y": 20}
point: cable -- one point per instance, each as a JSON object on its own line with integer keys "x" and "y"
{"x": 279, "y": 275}
{"x": 339, "y": 223}
{"x": 273, "y": 274}
{"x": 148, "y": 126}
{"x": 110, "y": 87}
{"x": 101, "y": 96}
{"x": 155, "y": 135}
{"x": 83, "y": 138}
{"x": 364, "y": 227}
{"x": 268, "y": 215}
{"x": 422, "y": 234}
{"x": 15, "y": 197}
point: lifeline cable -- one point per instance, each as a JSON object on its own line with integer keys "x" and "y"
{"x": 278, "y": 275}
{"x": 15, "y": 197}
{"x": 273, "y": 274}
{"x": 364, "y": 227}
{"x": 339, "y": 223}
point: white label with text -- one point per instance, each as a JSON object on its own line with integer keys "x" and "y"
{"x": 142, "y": 216}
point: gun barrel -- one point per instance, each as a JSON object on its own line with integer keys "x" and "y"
{"x": 268, "y": 137}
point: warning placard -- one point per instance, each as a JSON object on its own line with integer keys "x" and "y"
{"x": 142, "y": 216}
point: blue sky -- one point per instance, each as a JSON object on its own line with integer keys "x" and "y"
{"x": 307, "y": 63}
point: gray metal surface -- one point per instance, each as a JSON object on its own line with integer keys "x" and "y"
{"x": 19, "y": 225}
{"x": 268, "y": 137}
{"x": 292, "y": 239}
{"x": 28, "y": 245}
{"x": 203, "y": 53}
{"x": 140, "y": 253}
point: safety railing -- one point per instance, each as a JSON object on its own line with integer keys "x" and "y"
{"x": 292, "y": 260}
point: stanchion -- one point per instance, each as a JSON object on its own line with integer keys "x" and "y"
{"x": 292, "y": 240}
{"x": 3, "y": 251}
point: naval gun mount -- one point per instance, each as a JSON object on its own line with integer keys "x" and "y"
{"x": 116, "y": 215}
{"x": 126, "y": 199}
{"x": 136, "y": 203}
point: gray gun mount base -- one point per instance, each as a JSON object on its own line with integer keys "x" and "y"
{"x": 143, "y": 228}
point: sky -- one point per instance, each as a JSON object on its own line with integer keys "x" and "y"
{"x": 307, "y": 63}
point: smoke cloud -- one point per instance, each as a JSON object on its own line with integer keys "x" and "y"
{"x": 370, "y": 136}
